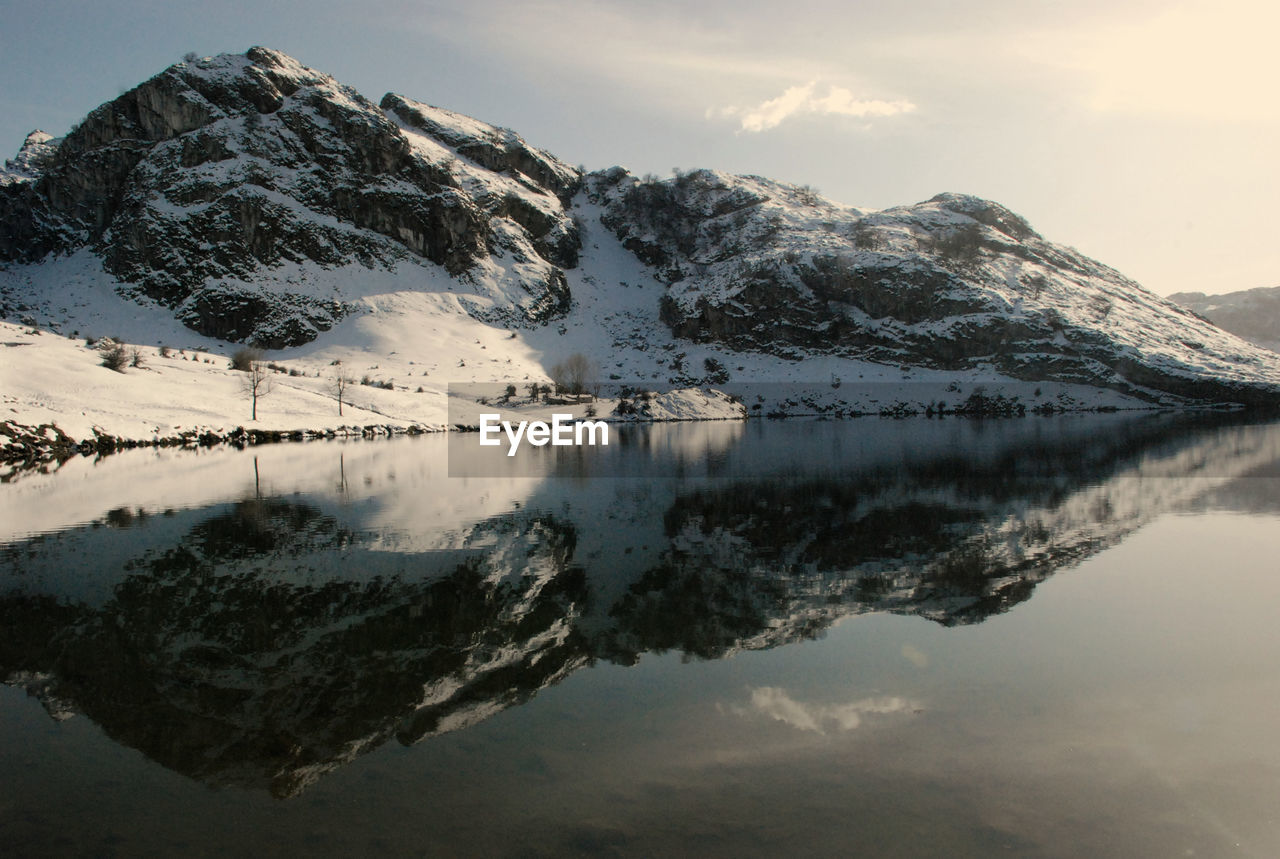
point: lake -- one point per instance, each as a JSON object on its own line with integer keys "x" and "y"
{"x": 1041, "y": 636}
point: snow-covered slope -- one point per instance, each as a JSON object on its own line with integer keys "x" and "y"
{"x": 1253, "y": 314}
{"x": 194, "y": 185}
{"x": 248, "y": 198}
{"x": 953, "y": 282}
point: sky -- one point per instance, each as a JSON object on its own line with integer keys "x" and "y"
{"x": 1142, "y": 132}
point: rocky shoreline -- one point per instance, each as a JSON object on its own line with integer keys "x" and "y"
{"x": 25, "y": 446}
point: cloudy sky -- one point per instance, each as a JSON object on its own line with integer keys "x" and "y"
{"x": 1143, "y": 132}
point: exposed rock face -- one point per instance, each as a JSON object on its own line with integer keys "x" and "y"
{"x": 225, "y": 188}
{"x": 498, "y": 149}
{"x": 215, "y": 170}
{"x": 954, "y": 282}
{"x": 1253, "y": 314}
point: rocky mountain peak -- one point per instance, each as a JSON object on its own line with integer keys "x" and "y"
{"x": 36, "y": 150}
{"x": 987, "y": 213}
{"x": 954, "y": 283}
{"x": 198, "y": 183}
{"x": 245, "y": 193}
{"x": 1253, "y": 314}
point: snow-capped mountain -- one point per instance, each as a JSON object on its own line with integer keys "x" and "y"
{"x": 953, "y": 282}
{"x": 256, "y": 200}
{"x": 1253, "y": 314}
{"x": 194, "y": 185}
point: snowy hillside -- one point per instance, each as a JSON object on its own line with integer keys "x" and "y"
{"x": 222, "y": 186}
{"x": 953, "y": 282}
{"x": 249, "y": 199}
{"x": 1253, "y": 314}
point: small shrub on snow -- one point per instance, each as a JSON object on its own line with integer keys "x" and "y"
{"x": 808, "y": 195}
{"x": 244, "y": 359}
{"x": 114, "y": 355}
{"x": 717, "y": 373}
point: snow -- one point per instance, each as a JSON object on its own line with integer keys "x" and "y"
{"x": 1253, "y": 314}
{"x": 455, "y": 129}
{"x": 26, "y": 165}
{"x": 51, "y": 379}
{"x": 407, "y": 322}
{"x": 412, "y": 328}
{"x": 1015, "y": 273}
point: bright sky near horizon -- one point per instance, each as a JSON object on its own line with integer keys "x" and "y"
{"x": 1143, "y": 132}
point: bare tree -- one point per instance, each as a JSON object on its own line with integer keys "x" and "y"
{"x": 574, "y": 375}
{"x": 339, "y": 386}
{"x": 256, "y": 382}
{"x": 559, "y": 378}
{"x": 581, "y": 373}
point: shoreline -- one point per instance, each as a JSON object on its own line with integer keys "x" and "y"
{"x": 29, "y": 446}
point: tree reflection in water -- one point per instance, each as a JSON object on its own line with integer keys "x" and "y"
{"x": 265, "y": 642}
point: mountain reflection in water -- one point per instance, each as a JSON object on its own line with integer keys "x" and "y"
{"x": 263, "y": 641}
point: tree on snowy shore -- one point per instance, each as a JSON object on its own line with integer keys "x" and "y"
{"x": 256, "y": 381}
{"x": 339, "y": 386}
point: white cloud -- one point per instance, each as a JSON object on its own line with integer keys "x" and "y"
{"x": 799, "y": 100}
{"x": 776, "y": 704}
{"x": 915, "y": 656}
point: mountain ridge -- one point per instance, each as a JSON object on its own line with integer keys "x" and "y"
{"x": 1253, "y": 314}
{"x": 241, "y": 194}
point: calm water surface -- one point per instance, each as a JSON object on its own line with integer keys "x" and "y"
{"x": 1047, "y": 637}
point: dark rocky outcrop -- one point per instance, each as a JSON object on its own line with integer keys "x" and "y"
{"x": 955, "y": 282}
{"x": 198, "y": 181}
{"x": 230, "y": 189}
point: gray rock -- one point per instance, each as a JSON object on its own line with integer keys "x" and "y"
{"x": 193, "y": 183}
{"x": 954, "y": 283}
